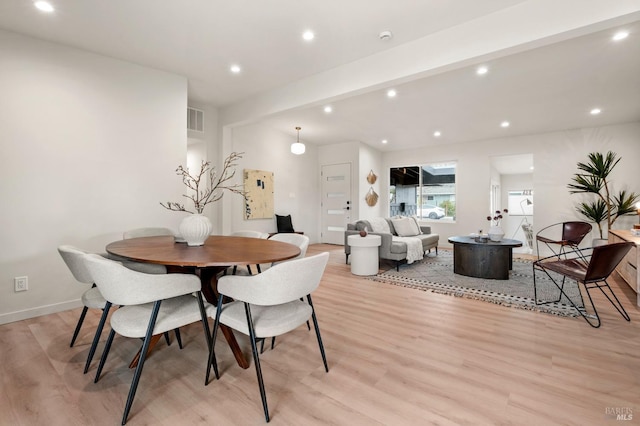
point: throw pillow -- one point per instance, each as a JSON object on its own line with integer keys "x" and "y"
{"x": 284, "y": 225}
{"x": 415, "y": 219}
{"x": 406, "y": 227}
{"x": 380, "y": 225}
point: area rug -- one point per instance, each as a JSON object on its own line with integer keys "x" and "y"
{"x": 435, "y": 273}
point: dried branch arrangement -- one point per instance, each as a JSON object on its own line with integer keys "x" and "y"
{"x": 207, "y": 186}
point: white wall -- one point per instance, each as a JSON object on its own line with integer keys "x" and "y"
{"x": 296, "y": 179}
{"x": 516, "y": 182}
{"x": 370, "y": 159}
{"x": 363, "y": 159}
{"x": 89, "y": 146}
{"x": 344, "y": 153}
{"x": 204, "y": 146}
{"x": 555, "y": 156}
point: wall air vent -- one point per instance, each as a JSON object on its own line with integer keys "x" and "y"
{"x": 195, "y": 120}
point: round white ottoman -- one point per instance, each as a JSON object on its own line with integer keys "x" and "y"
{"x": 364, "y": 254}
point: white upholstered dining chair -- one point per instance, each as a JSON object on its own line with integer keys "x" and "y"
{"x": 299, "y": 240}
{"x": 148, "y": 268}
{"x": 302, "y": 241}
{"x": 268, "y": 304}
{"x": 248, "y": 234}
{"x": 146, "y": 232}
{"x": 150, "y": 305}
{"x": 91, "y": 298}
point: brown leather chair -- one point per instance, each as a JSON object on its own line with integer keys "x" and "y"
{"x": 591, "y": 268}
{"x": 572, "y": 234}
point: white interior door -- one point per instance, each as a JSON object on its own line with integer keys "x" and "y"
{"x": 336, "y": 202}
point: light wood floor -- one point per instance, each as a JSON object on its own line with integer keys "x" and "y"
{"x": 397, "y": 356}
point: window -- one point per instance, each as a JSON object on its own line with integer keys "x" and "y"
{"x": 427, "y": 192}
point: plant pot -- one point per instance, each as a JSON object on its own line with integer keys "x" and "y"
{"x": 195, "y": 229}
{"x": 595, "y": 242}
{"x": 496, "y": 233}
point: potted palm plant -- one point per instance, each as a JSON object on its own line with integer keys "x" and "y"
{"x": 593, "y": 178}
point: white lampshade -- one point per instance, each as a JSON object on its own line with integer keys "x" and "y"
{"x": 297, "y": 148}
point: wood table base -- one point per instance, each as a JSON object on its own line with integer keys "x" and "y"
{"x": 154, "y": 340}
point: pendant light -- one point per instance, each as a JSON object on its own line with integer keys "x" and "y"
{"x": 297, "y": 147}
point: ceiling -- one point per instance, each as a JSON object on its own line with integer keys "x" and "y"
{"x": 537, "y": 90}
{"x": 541, "y": 90}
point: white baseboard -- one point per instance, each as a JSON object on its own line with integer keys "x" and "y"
{"x": 39, "y": 311}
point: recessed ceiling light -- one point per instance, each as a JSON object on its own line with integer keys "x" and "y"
{"x": 384, "y": 141}
{"x": 595, "y": 111}
{"x": 437, "y": 133}
{"x": 328, "y": 109}
{"x": 235, "y": 69}
{"x": 531, "y": 168}
{"x": 482, "y": 70}
{"x": 391, "y": 93}
{"x": 620, "y": 35}
{"x": 505, "y": 124}
{"x": 44, "y": 6}
{"x": 308, "y": 35}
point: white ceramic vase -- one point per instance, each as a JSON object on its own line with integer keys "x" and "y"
{"x": 195, "y": 229}
{"x": 496, "y": 233}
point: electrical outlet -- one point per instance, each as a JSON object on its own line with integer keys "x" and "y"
{"x": 21, "y": 283}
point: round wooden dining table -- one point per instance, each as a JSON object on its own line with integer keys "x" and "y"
{"x": 207, "y": 261}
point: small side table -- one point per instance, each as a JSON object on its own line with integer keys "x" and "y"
{"x": 364, "y": 254}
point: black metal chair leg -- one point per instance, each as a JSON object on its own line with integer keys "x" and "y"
{"x": 143, "y": 357}
{"x": 205, "y": 326}
{"x": 535, "y": 289}
{"x": 105, "y": 353}
{"x": 78, "y": 326}
{"x": 166, "y": 337}
{"x": 256, "y": 360}
{"x": 617, "y": 305}
{"x": 315, "y": 325}
{"x": 581, "y": 311}
{"x": 212, "y": 356}
{"x": 595, "y": 324}
{"x": 96, "y": 337}
{"x": 205, "y": 322}
{"x": 178, "y": 338}
{"x": 561, "y": 288}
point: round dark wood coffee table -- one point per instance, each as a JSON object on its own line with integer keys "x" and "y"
{"x": 491, "y": 259}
